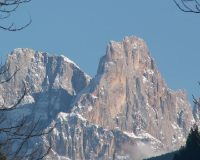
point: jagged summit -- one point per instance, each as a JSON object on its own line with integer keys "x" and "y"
{"x": 52, "y": 80}
{"x": 131, "y": 51}
{"x": 129, "y": 93}
{"x": 125, "y": 111}
{"x": 129, "y": 43}
{"x": 23, "y": 53}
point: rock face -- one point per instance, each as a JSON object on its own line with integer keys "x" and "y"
{"x": 196, "y": 111}
{"x": 129, "y": 93}
{"x": 125, "y": 112}
{"x": 52, "y": 81}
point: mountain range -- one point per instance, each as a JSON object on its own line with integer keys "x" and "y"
{"x": 126, "y": 111}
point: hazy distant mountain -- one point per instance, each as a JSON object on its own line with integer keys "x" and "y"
{"x": 125, "y": 112}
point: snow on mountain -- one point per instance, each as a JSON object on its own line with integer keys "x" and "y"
{"x": 125, "y": 112}
{"x": 131, "y": 95}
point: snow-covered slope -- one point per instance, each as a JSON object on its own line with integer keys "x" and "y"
{"x": 76, "y": 138}
{"x": 125, "y": 112}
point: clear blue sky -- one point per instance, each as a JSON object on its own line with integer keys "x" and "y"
{"x": 81, "y": 29}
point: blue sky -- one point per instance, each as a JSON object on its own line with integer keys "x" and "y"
{"x": 81, "y": 29}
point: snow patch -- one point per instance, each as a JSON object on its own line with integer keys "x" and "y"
{"x": 94, "y": 97}
{"x": 144, "y": 79}
{"x": 174, "y": 140}
{"x": 28, "y": 100}
{"x": 174, "y": 126}
{"x": 69, "y": 61}
{"x": 149, "y": 136}
{"x": 57, "y": 81}
{"x": 132, "y": 135}
{"x": 63, "y": 116}
{"x": 81, "y": 117}
{"x": 150, "y": 71}
{"x": 141, "y": 136}
{"x": 90, "y": 108}
{"x": 56, "y": 132}
{"x": 135, "y": 46}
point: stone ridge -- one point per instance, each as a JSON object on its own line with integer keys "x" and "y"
{"x": 129, "y": 93}
{"x": 122, "y": 51}
{"x": 125, "y": 111}
{"x": 46, "y": 70}
{"x": 53, "y": 82}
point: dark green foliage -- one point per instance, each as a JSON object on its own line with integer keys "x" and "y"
{"x": 192, "y": 149}
{"x": 2, "y": 157}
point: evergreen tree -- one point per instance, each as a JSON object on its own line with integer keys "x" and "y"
{"x": 191, "y": 151}
{"x": 2, "y": 157}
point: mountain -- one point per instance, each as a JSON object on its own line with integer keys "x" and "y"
{"x": 53, "y": 82}
{"x": 129, "y": 93}
{"x": 125, "y": 112}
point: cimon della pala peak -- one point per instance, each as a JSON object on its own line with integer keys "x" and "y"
{"x": 125, "y": 112}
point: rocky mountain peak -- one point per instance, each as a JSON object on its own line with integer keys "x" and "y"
{"x": 127, "y": 47}
{"x": 52, "y": 81}
{"x": 41, "y": 70}
{"x": 132, "y": 53}
{"x": 125, "y": 111}
{"x": 129, "y": 93}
